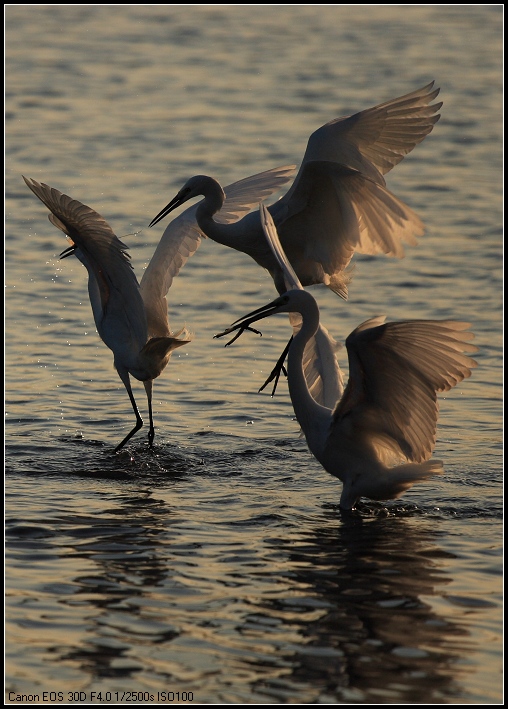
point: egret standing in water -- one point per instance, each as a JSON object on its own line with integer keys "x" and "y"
{"x": 379, "y": 437}
{"x": 132, "y": 318}
{"x": 338, "y": 203}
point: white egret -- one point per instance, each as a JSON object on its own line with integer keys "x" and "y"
{"x": 379, "y": 437}
{"x": 132, "y": 318}
{"x": 338, "y": 203}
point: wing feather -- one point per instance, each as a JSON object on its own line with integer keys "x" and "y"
{"x": 375, "y": 140}
{"x": 344, "y": 212}
{"x": 111, "y": 276}
{"x": 396, "y": 370}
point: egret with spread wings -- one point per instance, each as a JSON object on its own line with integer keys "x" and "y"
{"x": 338, "y": 204}
{"x": 378, "y": 438}
{"x": 131, "y": 317}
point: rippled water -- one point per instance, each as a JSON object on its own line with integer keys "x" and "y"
{"x": 218, "y": 566}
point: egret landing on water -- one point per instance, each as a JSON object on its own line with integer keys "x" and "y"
{"x": 128, "y": 319}
{"x": 338, "y": 203}
{"x": 132, "y": 318}
{"x": 379, "y": 437}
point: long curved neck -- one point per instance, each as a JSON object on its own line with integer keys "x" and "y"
{"x": 210, "y": 205}
{"x": 312, "y": 417}
{"x": 245, "y": 234}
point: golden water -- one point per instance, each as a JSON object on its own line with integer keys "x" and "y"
{"x": 219, "y": 565}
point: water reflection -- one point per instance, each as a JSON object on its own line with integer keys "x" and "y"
{"x": 127, "y": 549}
{"x": 377, "y": 639}
{"x": 333, "y": 610}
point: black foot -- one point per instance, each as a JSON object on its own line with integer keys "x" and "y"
{"x": 279, "y": 367}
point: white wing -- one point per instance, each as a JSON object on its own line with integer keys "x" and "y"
{"x": 375, "y": 140}
{"x": 112, "y": 281}
{"x": 395, "y": 371}
{"x": 322, "y": 372}
{"x": 182, "y": 237}
{"x": 339, "y": 204}
{"x": 334, "y": 212}
{"x": 243, "y": 195}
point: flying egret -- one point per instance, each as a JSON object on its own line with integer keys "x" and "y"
{"x": 338, "y": 203}
{"x": 379, "y": 437}
{"x": 132, "y": 318}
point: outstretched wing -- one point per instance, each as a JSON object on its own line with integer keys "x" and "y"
{"x": 112, "y": 282}
{"x": 182, "y": 237}
{"x": 339, "y": 204}
{"x": 245, "y": 194}
{"x": 395, "y": 372}
{"x": 375, "y": 140}
{"x": 336, "y": 211}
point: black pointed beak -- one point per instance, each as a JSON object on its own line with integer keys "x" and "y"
{"x": 68, "y": 251}
{"x": 175, "y": 202}
{"x": 244, "y": 323}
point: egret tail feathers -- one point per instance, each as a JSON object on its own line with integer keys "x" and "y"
{"x": 184, "y": 335}
{"x": 162, "y": 346}
{"x": 390, "y": 485}
{"x": 339, "y": 282}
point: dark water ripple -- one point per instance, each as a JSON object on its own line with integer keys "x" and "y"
{"x": 219, "y": 563}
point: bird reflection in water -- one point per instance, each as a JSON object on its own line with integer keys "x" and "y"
{"x": 368, "y": 631}
{"x": 339, "y": 610}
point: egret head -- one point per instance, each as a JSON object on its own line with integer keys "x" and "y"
{"x": 194, "y": 187}
{"x": 294, "y": 301}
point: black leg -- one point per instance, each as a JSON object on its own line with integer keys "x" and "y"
{"x": 148, "y": 389}
{"x": 124, "y": 376}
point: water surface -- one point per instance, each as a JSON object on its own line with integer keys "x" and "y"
{"x": 218, "y": 564}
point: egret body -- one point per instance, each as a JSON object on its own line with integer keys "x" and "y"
{"x": 132, "y": 318}
{"x": 379, "y": 436}
{"x": 337, "y": 205}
